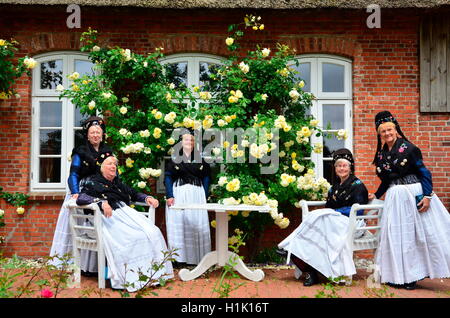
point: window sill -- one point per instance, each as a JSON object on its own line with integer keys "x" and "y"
{"x": 46, "y": 196}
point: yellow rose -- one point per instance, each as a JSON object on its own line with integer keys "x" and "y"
{"x": 20, "y": 210}
{"x": 233, "y": 99}
{"x": 213, "y": 223}
{"x": 158, "y": 115}
{"x": 2, "y": 42}
{"x": 129, "y": 162}
{"x": 229, "y": 41}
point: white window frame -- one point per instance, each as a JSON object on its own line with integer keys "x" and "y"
{"x": 193, "y": 60}
{"x": 344, "y": 98}
{"x": 67, "y": 121}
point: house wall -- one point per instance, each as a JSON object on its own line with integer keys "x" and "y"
{"x": 385, "y": 76}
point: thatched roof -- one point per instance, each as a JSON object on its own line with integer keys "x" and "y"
{"x": 246, "y": 4}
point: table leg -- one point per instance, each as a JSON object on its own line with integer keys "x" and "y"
{"x": 207, "y": 261}
{"x": 222, "y": 237}
{"x": 221, "y": 256}
{"x": 256, "y": 275}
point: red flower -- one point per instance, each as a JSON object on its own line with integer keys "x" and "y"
{"x": 46, "y": 293}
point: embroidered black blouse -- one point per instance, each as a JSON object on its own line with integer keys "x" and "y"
{"x": 403, "y": 164}
{"x": 342, "y": 196}
{"x": 98, "y": 188}
{"x": 188, "y": 171}
{"x": 83, "y": 164}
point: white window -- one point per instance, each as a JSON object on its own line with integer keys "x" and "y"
{"x": 189, "y": 70}
{"x": 329, "y": 79}
{"x": 56, "y": 123}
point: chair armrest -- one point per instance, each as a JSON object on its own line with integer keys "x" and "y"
{"x": 150, "y": 214}
{"x": 306, "y": 204}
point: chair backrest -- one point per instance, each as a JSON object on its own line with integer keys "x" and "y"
{"x": 374, "y": 210}
{"x": 84, "y": 235}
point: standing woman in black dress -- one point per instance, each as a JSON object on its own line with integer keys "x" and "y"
{"x": 187, "y": 182}
{"x": 83, "y": 165}
{"x": 415, "y": 227}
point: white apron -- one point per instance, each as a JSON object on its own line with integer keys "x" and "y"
{"x": 133, "y": 244}
{"x": 413, "y": 245}
{"x": 188, "y": 230}
{"x": 320, "y": 241}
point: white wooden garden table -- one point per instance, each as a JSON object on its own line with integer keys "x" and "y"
{"x": 221, "y": 255}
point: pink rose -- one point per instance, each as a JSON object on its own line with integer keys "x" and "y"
{"x": 401, "y": 149}
{"x": 46, "y": 293}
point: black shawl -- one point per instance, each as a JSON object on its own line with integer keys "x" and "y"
{"x": 88, "y": 156}
{"x": 114, "y": 191}
{"x": 346, "y": 194}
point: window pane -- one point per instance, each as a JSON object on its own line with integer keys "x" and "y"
{"x": 333, "y": 115}
{"x": 332, "y": 77}
{"x": 304, "y": 70}
{"x": 78, "y": 117}
{"x": 331, "y": 144}
{"x": 50, "y": 170}
{"x": 50, "y": 141}
{"x": 51, "y": 74}
{"x": 177, "y": 73}
{"x": 84, "y": 67}
{"x": 328, "y": 170}
{"x": 205, "y": 70}
{"x": 50, "y": 114}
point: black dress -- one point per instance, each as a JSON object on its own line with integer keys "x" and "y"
{"x": 342, "y": 196}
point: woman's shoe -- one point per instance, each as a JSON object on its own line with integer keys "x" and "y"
{"x": 410, "y": 286}
{"x": 310, "y": 279}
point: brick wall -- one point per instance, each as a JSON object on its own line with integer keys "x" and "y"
{"x": 385, "y": 76}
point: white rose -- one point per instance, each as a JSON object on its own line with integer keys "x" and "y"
{"x": 96, "y": 48}
{"x": 30, "y": 62}
{"x": 123, "y": 110}
{"x": 265, "y": 52}
{"x": 59, "y": 88}
{"x": 142, "y": 184}
{"x": 294, "y": 94}
{"x": 221, "y": 123}
{"x": 216, "y": 151}
{"x": 223, "y": 181}
{"x": 91, "y": 105}
{"x": 244, "y": 67}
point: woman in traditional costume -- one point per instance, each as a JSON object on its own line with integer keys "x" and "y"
{"x": 83, "y": 165}
{"x": 415, "y": 227}
{"x": 133, "y": 245}
{"x": 319, "y": 244}
{"x": 187, "y": 178}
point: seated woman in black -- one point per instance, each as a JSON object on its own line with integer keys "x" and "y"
{"x": 131, "y": 242}
{"x": 319, "y": 243}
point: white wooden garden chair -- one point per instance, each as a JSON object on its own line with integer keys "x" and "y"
{"x": 89, "y": 237}
{"x": 371, "y": 235}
